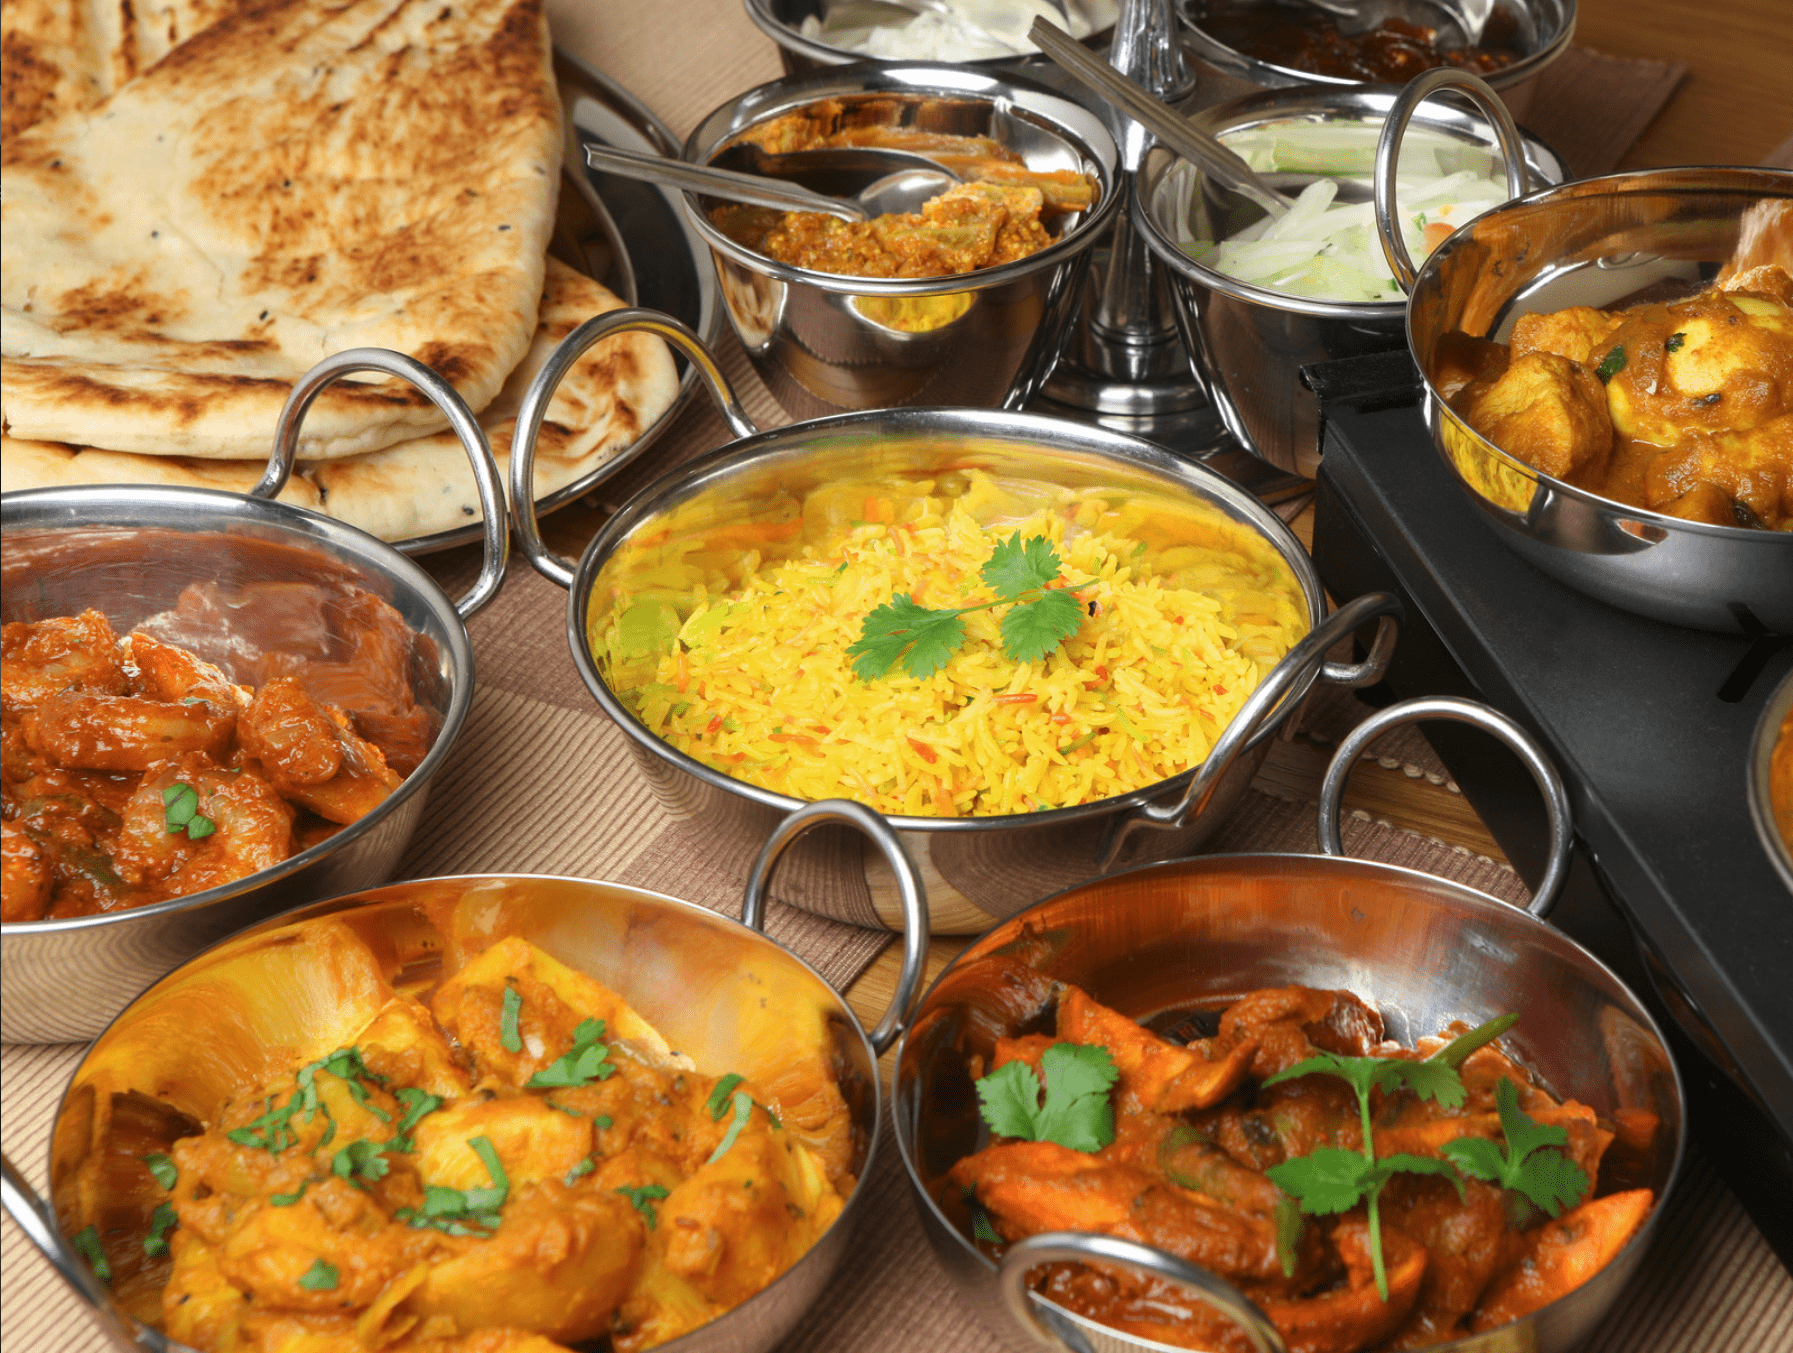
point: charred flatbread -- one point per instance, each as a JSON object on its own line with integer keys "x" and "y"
{"x": 425, "y": 486}
{"x": 301, "y": 177}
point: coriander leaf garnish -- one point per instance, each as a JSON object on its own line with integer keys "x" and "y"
{"x": 579, "y": 1171}
{"x": 417, "y": 1103}
{"x": 743, "y": 1111}
{"x": 1456, "y": 1052}
{"x": 470, "y": 1212}
{"x": 1330, "y": 1179}
{"x": 1076, "y": 1112}
{"x": 640, "y": 1199}
{"x": 923, "y": 639}
{"x": 161, "y": 1222}
{"x": 507, "y": 1020}
{"x": 982, "y": 1229}
{"x": 362, "y": 1158}
{"x": 1528, "y": 1163}
{"x": 1289, "y": 1229}
{"x": 180, "y": 804}
{"x": 1019, "y": 572}
{"x": 288, "y": 1199}
{"x": 586, "y": 1061}
{"x": 162, "y": 1170}
{"x": 320, "y": 1277}
{"x": 1611, "y": 364}
{"x": 1673, "y": 342}
{"x": 718, "y": 1101}
{"x": 87, "y": 1240}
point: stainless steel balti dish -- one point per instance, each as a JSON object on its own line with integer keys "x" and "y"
{"x": 819, "y": 339}
{"x": 130, "y": 552}
{"x": 1168, "y": 941}
{"x": 1771, "y": 779}
{"x": 1543, "y": 32}
{"x": 1248, "y": 342}
{"x": 976, "y": 868}
{"x": 719, "y": 990}
{"x": 1597, "y": 242}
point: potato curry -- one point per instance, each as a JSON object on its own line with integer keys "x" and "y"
{"x": 997, "y": 216}
{"x": 134, "y": 771}
{"x": 1229, "y": 1153}
{"x": 518, "y": 1165}
{"x": 1683, "y": 408}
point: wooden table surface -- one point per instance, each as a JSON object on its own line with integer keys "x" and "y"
{"x": 1735, "y": 107}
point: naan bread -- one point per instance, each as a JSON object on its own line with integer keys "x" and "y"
{"x": 424, "y": 486}
{"x": 301, "y": 177}
{"x": 64, "y": 55}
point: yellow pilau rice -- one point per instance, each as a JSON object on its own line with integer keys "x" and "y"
{"x": 758, "y": 684}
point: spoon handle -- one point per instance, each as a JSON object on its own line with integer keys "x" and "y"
{"x": 1201, "y": 150}
{"x": 761, "y": 192}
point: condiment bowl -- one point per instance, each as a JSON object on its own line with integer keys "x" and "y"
{"x": 976, "y": 868}
{"x": 1172, "y": 940}
{"x": 1771, "y": 778}
{"x": 823, "y": 342}
{"x": 1598, "y": 242}
{"x": 129, "y": 552}
{"x": 719, "y": 990}
{"x": 1542, "y": 32}
{"x": 1249, "y": 343}
{"x": 782, "y": 21}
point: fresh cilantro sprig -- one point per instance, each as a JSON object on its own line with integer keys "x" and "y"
{"x": 463, "y": 1212}
{"x": 320, "y": 1277}
{"x": 1075, "y": 1112}
{"x": 364, "y": 1158}
{"x": 1528, "y": 1162}
{"x": 642, "y": 1198}
{"x": 1019, "y": 572}
{"x": 180, "y": 812}
{"x": 1330, "y": 1179}
{"x": 586, "y": 1061}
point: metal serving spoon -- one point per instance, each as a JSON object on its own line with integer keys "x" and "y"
{"x": 1139, "y": 104}
{"x": 863, "y": 181}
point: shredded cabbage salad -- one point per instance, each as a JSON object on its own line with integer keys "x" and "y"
{"x": 1328, "y": 251}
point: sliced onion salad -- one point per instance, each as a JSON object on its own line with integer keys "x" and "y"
{"x": 1326, "y": 250}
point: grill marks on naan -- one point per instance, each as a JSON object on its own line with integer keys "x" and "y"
{"x": 299, "y": 178}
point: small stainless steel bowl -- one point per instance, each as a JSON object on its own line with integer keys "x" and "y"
{"x": 1765, "y": 794}
{"x": 782, "y": 21}
{"x": 1169, "y": 940}
{"x": 808, "y": 333}
{"x": 129, "y": 551}
{"x": 1250, "y": 343}
{"x": 976, "y": 868}
{"x": 1545, "y": 29}
{"x": 719, "y": 990}
{"x": 1596, "y": 242}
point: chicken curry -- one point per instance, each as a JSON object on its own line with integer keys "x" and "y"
{"x": 1685, "y": 408}
{"x": 520, "y": 1164}
{"x": 997, "y": 216}
{"x": 135, "y": 771}
{"x": 1228, "y": 1152}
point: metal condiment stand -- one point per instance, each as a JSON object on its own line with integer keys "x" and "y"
{"x": 1124, "y": 365}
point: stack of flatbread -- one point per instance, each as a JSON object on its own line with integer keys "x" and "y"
{"x": 202, "y": 199}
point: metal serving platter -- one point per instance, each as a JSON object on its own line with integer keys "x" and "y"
{"x": 624, "y": 234}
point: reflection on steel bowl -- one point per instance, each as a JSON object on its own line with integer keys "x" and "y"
{"x": 1172, "y": 946}
{"x": 1597, "y": 243}
{"x": 807, "y": 329}
{"x": 812, "y": 33}
{"x": 608, "y": 1106}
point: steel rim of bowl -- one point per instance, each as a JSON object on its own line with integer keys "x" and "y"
{"x": 693, "y": 477}
{"x": 1268, "y": 864}
{"x": 1761, "y": 785}
{"x": 1438, "y": 413}
{"x": 64, "y": 506}
{"x": 919, "y": 79}
{"x": 1235, "y": 62}
{"x": 136, "y": 1335}
{"x": 1349, "y": 101}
